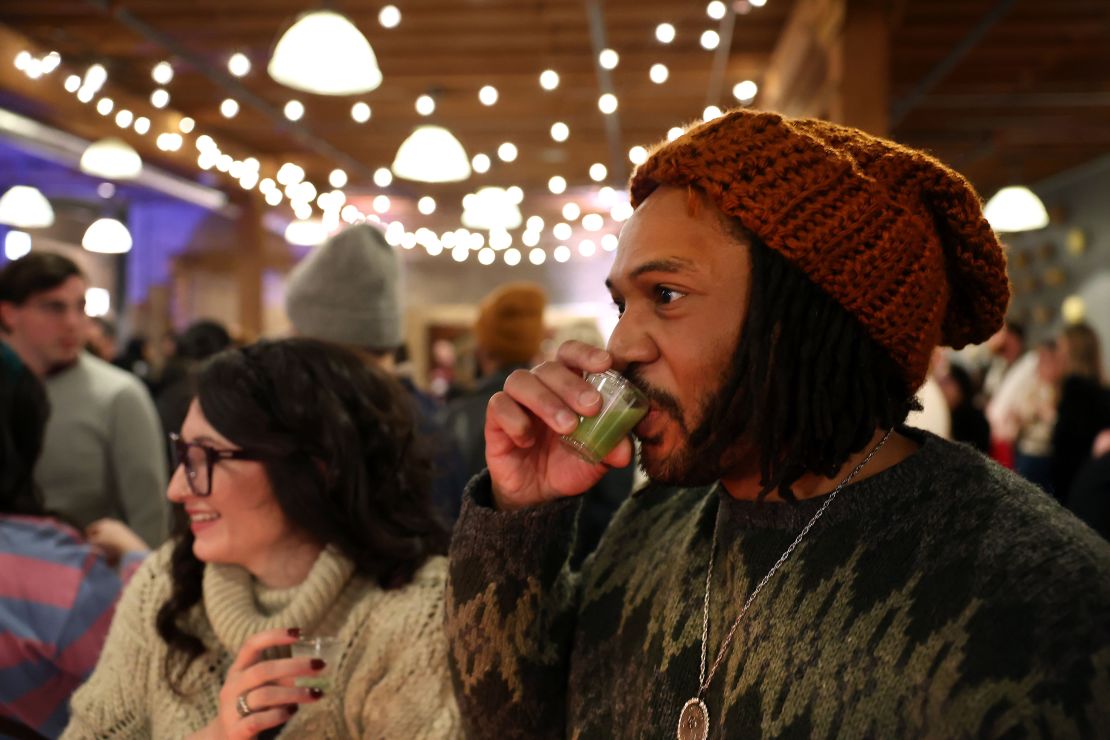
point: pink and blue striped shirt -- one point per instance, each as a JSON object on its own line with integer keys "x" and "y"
{"x": 57, "y": 598}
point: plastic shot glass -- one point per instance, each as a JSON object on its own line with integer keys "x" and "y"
{"x": 622, "y": 407}
{"x": 328, "y": 649}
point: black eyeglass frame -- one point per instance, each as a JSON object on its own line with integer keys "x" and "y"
{"x": 212, "y": 456}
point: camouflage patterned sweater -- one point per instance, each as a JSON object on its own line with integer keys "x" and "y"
{"x": 942, "y": 597}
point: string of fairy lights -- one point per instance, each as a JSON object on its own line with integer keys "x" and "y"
{"x": 590, "y": 214}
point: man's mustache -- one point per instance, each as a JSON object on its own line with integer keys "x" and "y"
{"x": 659, "y": 398}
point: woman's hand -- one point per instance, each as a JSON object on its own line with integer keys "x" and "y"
{"x": 114, "y": 538}
{"x": 259, "y": 694}
{"x": 528, "y": 463}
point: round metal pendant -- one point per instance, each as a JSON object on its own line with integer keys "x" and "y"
{"x": 693, "y": 723}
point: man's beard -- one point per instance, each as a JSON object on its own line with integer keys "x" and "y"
{"x": 703, "y": 454}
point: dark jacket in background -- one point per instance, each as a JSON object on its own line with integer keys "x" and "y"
{"x": 1083, "y": 412}
{"x": 449, "y": 475}
{"x": 1090, "y": 495}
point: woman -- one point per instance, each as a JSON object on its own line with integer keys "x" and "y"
{"x": 308, "y": 514}
{"x": 1034, "y": 414}
{"x": 1084, "y": 408}
{"x": 58, "y": 589}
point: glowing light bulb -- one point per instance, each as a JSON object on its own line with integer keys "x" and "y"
{"x": 294, "y": 110}
{"x": 360, "y": 112}
{"x": 162, "y": 73}
{"x": 549, "y": 79}
{"x": 487, "y": 95}
{"x": 389, "y": 16}
{"x": 745, "y": 91}
{"x": 239, "y": 65}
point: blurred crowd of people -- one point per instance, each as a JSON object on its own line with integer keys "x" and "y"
{"x": 1042, "y": 410}
{"x": 110, "y": 457}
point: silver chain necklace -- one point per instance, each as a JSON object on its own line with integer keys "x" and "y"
{"x": 693, "y": 720}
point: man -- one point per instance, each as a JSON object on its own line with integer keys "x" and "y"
{"x": 347, "y": 291}
{"x": 802, "y": 564}
{"x": 1006, "y": 346}
{"x": 104, "y": 454}
{"x": 507, "y": 336}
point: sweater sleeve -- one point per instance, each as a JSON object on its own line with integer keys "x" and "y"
{"x": 407, "y": 694}
{"x": 88, "y": 620}
{"x": 113, "y": 703}
{"x": 511, "y": 609}
{"x": 138, "y": 460}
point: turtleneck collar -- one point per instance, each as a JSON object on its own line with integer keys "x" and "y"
{"x": 239, "y": 606}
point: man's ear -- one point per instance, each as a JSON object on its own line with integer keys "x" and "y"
{"x": 6, "y": 310}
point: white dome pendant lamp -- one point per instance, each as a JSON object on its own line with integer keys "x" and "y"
{"x": 324, "y": 53}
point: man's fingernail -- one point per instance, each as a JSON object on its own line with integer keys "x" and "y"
{"x": 566, "y": 420}
{"x": 294, "y": 631}
{"x": 599, "y": 356}
{"x": 315, "y": 692}
{"x": 589, "y": 398}
{"x": 317, "y": 664}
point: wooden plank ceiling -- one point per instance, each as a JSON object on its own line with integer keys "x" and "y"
{"x": 1028, "y": 99}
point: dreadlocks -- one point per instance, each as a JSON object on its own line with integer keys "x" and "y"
{"x": 807, "y": 386}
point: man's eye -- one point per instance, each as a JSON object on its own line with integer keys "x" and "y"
{"x": 668, "y": 295}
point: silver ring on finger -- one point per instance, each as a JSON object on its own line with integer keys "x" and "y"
{"x": 242, "y": 707}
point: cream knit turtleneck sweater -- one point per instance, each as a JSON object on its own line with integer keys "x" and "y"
{"x": 392, "y": 681}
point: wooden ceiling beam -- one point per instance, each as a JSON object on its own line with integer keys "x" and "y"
{"x": 795, "y": 73}
{"x": 832, "y": 61}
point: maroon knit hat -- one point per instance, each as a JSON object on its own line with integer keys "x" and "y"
{"x": 890, "y": 233}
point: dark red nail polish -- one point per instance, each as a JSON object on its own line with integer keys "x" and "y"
{"x": 318, "y": 664}
{"x": 292, "y": 709}
{"x": 294, "y": 631}
{"x": 316, "y": 693}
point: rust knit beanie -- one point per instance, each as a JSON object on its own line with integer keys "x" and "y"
{"x": 510, "y": 323}
{"x": 890, "y": 233}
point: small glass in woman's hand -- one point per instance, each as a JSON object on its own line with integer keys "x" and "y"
{"x": 327, "y": 649}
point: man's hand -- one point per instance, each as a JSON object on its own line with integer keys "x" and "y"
{"x": 527, "y": 461}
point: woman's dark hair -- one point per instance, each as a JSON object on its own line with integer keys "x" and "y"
{"x": 807, "y": 385}
{"x": 342, "y": 458}
{"x": 24, "y": 410}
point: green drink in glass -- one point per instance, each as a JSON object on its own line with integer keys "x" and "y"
{"x": 622, "y": 407}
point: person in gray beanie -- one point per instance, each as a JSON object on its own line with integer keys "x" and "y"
{"x": 347, "y": 291}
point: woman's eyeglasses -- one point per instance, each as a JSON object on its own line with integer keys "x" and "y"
{"x": 198, "y": 460}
